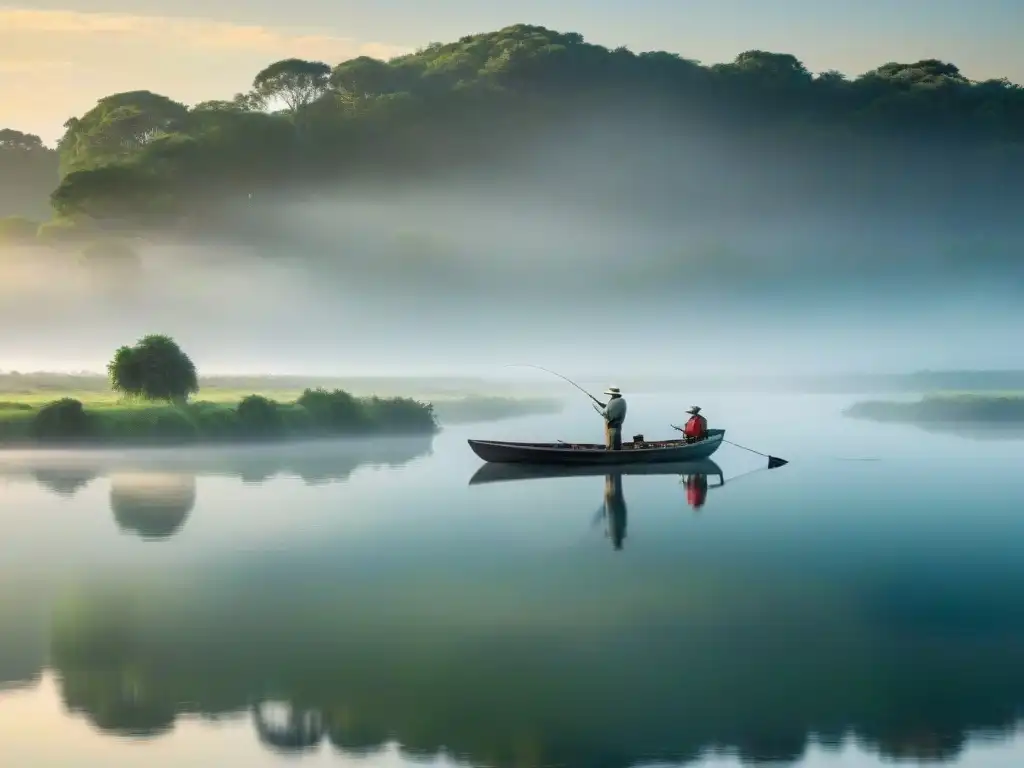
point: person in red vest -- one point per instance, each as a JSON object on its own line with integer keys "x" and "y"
{"x": 697, "y": 426}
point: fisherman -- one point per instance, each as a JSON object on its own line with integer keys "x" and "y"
{"x": 696, "y": 427}
{"x": 614, "y": 414}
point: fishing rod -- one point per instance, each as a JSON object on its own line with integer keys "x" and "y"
{"x": 773, "y": 461}
{"x": 563, "y": 378}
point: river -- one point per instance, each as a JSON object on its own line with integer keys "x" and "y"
{"x": 360, "y": 603}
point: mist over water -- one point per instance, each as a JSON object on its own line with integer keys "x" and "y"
{"x": 834, "y": 612}
{"x": 659, "y": 242}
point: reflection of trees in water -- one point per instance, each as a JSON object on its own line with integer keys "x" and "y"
{"x": 117, "y": 701}
{"x": 64, "y": 482}
{"x": 352, "y": 736}
{"x": 284, "y": 728}
{"x": 1012, "y": 432}
{"x": 21, "y": 662}
{"x": 22, "y": 633}
{"x": 152, "y": 506}
{"x": 110, "y": 683}
{"x": 763, "y": 676}
{"x": 315, "y": 463}
{"x": 322, "y": 462}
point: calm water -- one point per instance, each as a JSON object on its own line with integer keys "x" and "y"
{"x": 362, "y": 604}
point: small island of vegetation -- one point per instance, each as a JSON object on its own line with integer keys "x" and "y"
{"x": 156, "y": 382}
{"x": 945, "y": 408}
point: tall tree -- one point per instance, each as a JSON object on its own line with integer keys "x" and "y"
{"x": 28, "y": 171}
{"x": 155, "y": 368}
{"x": 295, "y": 82}
{"x": 118, "y": 126}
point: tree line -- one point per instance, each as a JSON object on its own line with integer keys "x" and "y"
{"x": 158, "y": 378}
{"x": 143, "y": 160}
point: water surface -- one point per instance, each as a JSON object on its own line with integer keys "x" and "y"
{"x": 360, "y": 603}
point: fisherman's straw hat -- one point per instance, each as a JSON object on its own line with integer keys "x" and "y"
{"x": 612, "y": 391}
{"x": 694, "y": 409}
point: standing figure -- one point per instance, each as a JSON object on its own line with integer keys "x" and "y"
{"x": 614, "y": 414}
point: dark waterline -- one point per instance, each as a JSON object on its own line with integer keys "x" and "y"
{"x": 220, "y": 607}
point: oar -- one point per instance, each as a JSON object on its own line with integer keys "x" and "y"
{"x": 773, "y": 461}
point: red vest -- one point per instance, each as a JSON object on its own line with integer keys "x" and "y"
{"x": 697, "y": 426}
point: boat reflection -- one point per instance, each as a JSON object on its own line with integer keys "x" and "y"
{"x": 694, "y": 475}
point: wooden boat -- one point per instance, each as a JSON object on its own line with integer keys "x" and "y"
{"x": 578, "y": 454}
{"x": 499, "y": 473}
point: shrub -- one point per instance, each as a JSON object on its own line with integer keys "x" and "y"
{"x": 63, "y": 419}
{"x": 173, "y": 425}
{"x": 259, "y": 416}
{"x": 335, "y": 411}
{"x": 6, "y": 405}
{"x": 400, "y": 414}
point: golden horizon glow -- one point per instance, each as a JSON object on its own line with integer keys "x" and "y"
{"x": 55, "y": 64}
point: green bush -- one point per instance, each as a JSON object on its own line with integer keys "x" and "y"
{"x": 6, "y": 405}
{"x": 400, "y": 414}
{"x": 259, "y": 416}
{"x": 335, "y": 411}
{"x": 63, "y": 419}
{"x": 174, "y": 425}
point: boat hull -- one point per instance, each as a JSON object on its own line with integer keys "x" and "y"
{"x": 583, "y": 454}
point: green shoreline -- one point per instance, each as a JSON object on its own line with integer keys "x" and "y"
{"x": 965, "y": 408}
{"x": 316, "y": 415}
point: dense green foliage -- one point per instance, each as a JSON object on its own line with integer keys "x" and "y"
{"x": 948, "y": 409}
{"x": 143, "y": 159}
{"x": 62, "y": 420}
{"x": 329, "y": 414}
{"x": 264, "y": 407}
{"x": 155, "y": 368}
{"x": 28, "y": 173}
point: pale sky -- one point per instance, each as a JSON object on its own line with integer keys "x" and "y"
{"x": 58, "y": 56}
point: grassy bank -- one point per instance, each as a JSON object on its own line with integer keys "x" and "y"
{"x": 946, "y": 408}
{"x": 315, "y": 413}
{"x": 228, "y": 415}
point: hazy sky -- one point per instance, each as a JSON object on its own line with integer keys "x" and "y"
{"x": 58, "y": 56}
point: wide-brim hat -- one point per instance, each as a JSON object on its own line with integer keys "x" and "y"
{"x": 612, "y": 391}
{"x": 694, "y": 409}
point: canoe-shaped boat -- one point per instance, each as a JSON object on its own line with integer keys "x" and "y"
{"x": 499, "y": 473}
{"x": 578, "y": 454}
